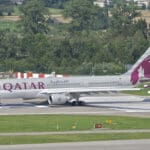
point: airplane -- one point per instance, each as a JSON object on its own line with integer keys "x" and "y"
{"x": 59, "y": 91}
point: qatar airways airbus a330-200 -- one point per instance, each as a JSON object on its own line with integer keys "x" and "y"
{"x": 69, "y": 89}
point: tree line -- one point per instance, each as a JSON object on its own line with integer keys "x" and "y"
{"x": 95, "y": 41}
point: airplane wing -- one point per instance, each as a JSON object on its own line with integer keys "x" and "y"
{"x": 75, "y": 93}
{"x": 80, "y": 90}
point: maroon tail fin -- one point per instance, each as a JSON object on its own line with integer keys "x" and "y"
{"x": 141, "y": 69}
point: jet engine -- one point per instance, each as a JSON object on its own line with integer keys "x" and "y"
{"x": 57, "y": 99}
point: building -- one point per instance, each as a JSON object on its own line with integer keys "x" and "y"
{"x": 141, "y": 3}
{"x": 102, "y": 3}
{"x": 18, "y": 2}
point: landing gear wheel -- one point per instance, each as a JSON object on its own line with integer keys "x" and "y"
{"x": 77, "y": 103}
{"x": 74, "y": 103}
{"x": 81, "y": 103}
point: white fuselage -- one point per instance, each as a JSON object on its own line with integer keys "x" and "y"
{"x": 31, "y": 88}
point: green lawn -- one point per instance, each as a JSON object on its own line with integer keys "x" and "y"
{"x": 5, "y": 24}
{"x": 16, "y": 11}
{"x": 142, "y": 92}
{"x": 40, "y": 123}
{"x": 54, "y": 11}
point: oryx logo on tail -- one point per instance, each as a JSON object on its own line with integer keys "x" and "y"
{"x": 141, "y": 68}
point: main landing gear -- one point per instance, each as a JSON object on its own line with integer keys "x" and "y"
{"x": 77, "y": 103}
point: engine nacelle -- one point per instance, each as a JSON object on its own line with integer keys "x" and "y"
{"x": 57, "y": 99}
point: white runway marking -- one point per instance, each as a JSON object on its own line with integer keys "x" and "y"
{"x": 23, "y": 106}
{"x": 127, "y": 110}
{"x": 41, "y": 106}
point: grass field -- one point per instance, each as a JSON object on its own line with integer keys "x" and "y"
{"x": 143, "y": 92}
{"x": 55, "y": 11}
{"x": 41, "y": 123}
{"x": 9, "y": 22}
{"x": 6, "y": 24}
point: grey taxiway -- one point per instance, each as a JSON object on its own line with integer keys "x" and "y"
{"x": 100, "y": 145}
{"x": 105, "y": 105}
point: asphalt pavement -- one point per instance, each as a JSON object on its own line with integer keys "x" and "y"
{"x": 99, "y": 145}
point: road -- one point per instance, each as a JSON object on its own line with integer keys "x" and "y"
{"x": 103, "y": 131}
{"x": 100, "y": 145}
